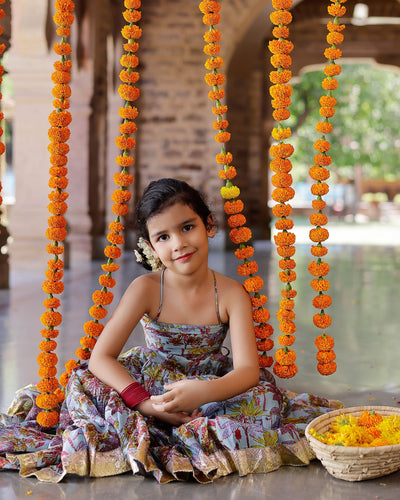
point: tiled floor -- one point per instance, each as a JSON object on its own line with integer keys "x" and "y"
{"x": 366, "y": 313}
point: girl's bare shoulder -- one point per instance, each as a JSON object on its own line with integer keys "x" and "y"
{"x": 229, "y": 286}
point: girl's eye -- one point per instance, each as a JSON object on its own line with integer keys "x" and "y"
{"x": 163, "y": 237}
{"x": 188, "y": 227}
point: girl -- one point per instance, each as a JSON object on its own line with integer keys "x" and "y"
{"x": 178, "y": 408}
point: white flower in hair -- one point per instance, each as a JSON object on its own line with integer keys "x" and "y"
{"x": 154, "y": 262}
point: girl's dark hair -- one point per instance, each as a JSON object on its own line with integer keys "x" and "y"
{"x": 164, "y": 193}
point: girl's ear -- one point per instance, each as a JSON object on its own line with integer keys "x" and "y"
{"x": 211, "y": 229}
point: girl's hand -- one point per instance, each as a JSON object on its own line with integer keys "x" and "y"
{"x": 147, "y": 409}
{"x": 182, "y": 396}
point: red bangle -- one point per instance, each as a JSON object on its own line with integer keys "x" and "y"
{"x": 134, "y": 394}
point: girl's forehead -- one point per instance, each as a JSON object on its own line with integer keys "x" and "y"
{"x": 172, "y": 215}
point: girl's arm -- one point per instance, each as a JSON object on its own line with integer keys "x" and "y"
{"x": 103, "y": 361}
{"x": 186, "y": 395}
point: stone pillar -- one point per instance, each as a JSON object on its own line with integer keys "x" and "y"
{"x": 30, "y": 67}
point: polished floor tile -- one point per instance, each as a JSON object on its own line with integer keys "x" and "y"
{"x": 366, "y": 318}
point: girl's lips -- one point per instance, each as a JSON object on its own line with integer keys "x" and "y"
{"x": 185, "y": 257}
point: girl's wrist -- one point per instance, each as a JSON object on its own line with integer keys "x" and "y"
{"x": 134, "y": 394}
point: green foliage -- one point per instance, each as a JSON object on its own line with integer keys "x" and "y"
{"x": 366, "y": 125}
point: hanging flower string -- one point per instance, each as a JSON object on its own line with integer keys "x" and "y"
{"x": 121, "y": 196}
{"x": 320, "y": 173}
{"x": 58, "y": 133}
{"x": 239, "y": 233}
{"x": 2, "y": 146}
{"x": 281, "y": 91}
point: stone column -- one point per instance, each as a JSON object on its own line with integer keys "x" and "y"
{"x": 30, "y": 67}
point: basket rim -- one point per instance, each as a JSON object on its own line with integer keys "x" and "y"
{"x": 364, "y": 450}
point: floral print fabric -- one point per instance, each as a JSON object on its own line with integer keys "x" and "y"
{"x": 99, "y": 436}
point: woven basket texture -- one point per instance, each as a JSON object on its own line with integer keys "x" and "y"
{"x": 349, "y": 462}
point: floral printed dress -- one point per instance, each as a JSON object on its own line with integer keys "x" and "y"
{"x": 99, "y": 436}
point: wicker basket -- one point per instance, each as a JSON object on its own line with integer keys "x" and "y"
{"x": 349, "y": 462}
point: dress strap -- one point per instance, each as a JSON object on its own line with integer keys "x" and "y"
{"x": 161, "y": 293}
{"x": 216, "y": 297}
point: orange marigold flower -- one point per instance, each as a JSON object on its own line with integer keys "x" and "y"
{"x": 220, "y": 124}
{"x": 265, "y": 361}
{"x": 65, "y": 65}
{"x": 112, "y": 252}
{"x": 281, "y": 165}
{"x": 288, "y": 294}
{"x": 47, "y": 419}
{"x": 224, "y": 159}
{"x": 51, "y": 318}
{"x": 318, "y": 250}
{"x": 278, "y": 77}
{"x": 285, "y": 315}
{"x": 110, "y": 267}
{"x": 282, "y": 4}
{"x": 329, "y": 84}
{"x": 52, "y": 303}
{"x": 47, "y": 401}
{"x": 318, "y": 269}
{"x": 57, "y": 134}
{"x": 318, "y": 219}
{"x": 53, "y": 275}
{"x": 281, "y": 17}
{"x": 240, "y": 235}
{"x": 326, "y": 368}
{"x": 71, "y": 365}
{"x": 57, "y": 171}
{"x": 324, "y": 127}
{"x": 106, "y": 281}
{"x": 102, "y": 298}
{"x": 60, "y": 119}
{"x": 47, "y": 359}
{"x": 124, "y": 160}
{"x": 281, "y": 150}
{"x": 61, "y": 77}
{"x": 286, "y": 340}
{"x": 261, "y": 315}
{"x": 286, "y": 251}
{"x": 58, "y": 182}
{"x": 47, "y": 371}
{"x": 281, "y": 61}
{"x": 55, "y": 249}
{"x": 229, "y": 173}
{"x": 280, "y": 46}
{"x": 319, "y": 173}
{"x": 212, "y": 36}
{"x": 322, "y": 320}
{"x": 323, "y": 160}
{"x": 334, "y": 38}
{"x": 215, "y": 79}
{"x": 282, "y": 195}
{"x": 287, "y": 304}
{"x": 216, "y": 95}
{"x": 207, "y": 6}
{"x": 281, "y": 180}
{"x": 58, "y": 196}
{"x": 253, "y": 284}
{"x": 131, "y": 32}
{"x": 281, "y": 32}
{"x": 332, "y": 69}
{"x": 236, "y": 220}
{"x": 116, "y": 227}
{"x": 123, "y": 180}
{"x": 265, "y": 345}
{"x": 244, "y": 253}
{"x": 87, "y": 342}
{"x": 325, "y": 356}
{"x": 214, "y": 63}
{"x": 280, "y": 134}
{"x": 287, "y": 327}
{"x": 327, "y": 101}
{"x": 64, "y": 378}
{"x": 284, "y": 224}
{"x": 129, "y": 61}
{"x": 132, "y": 16}
{"x": 98, "y": 312}
{"x": 123, "y": 142}
{"x": 258, "y": 301}
{"x": 263, "y": 331}
{"x": 287, "y": 264}
{"x": 47, "y": 385}
{"x": 336, "y": 10}
{"x": 128, "y": 92}
{"x": 282, "y": 210}
{"x": 62, "y": 49}
{"x": 281, "y": 114}
{"x": 320, "y": 284}
{"x": 222, "y": 137}
{"x": 82, "y": 353}
{"x": 131, "y": 46}
{"x": 48, "y": 345}
{"x": 332, "y": 54}
{"x": 212, "y": 49}
{"x": 61, "y": 91}
{"x": 121, "y": 196}
{"x": 132, "y": 4}
{"x": 322, "y": 145}
{"x": 57, "y": 208}
{"x": 53, "y": 287}
{"x": 279, "y": 103}
{"x": 284, "y": 239}
{"x": 318, "y": 204}
{"x": 322, "y": 301}
{"x": 335, "y": 27}
{"x": 57, "y": 221}
{"x": 58, "y": 161}
{"x": 285, "y": 357}
{"x": 220, "y": 110}
{"x": 284, "y": 371}
{"x": 128, "y": 127}
{"x": 56, "y": 234}
{"x": 233, "y": 207}
{"x": 287, "y": 277}
{"x": 128, "y": 112}
{"x": 369, "y": 419}
{"x": 319, "y": 234}
{"x": 92, "y": 328}
{"x": 59, "y": 148}
{"x": 211, "y": 19}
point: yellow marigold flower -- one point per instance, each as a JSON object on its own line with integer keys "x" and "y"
{"x": 281, "y": 134}
{"x": 230, "y": 192}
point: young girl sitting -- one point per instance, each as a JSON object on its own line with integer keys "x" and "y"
{"x": 179, "y": 407}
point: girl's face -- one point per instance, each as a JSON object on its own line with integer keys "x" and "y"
{"x": 179, "y": 238}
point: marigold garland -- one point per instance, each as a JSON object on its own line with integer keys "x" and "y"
{"x": 123, "y": 179}
{"x": 59, "y": 133}
{"x": 319, "y": 173}
{"x": 239, "y": 233}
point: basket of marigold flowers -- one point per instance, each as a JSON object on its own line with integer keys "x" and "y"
{"x": 357, "y": 443}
